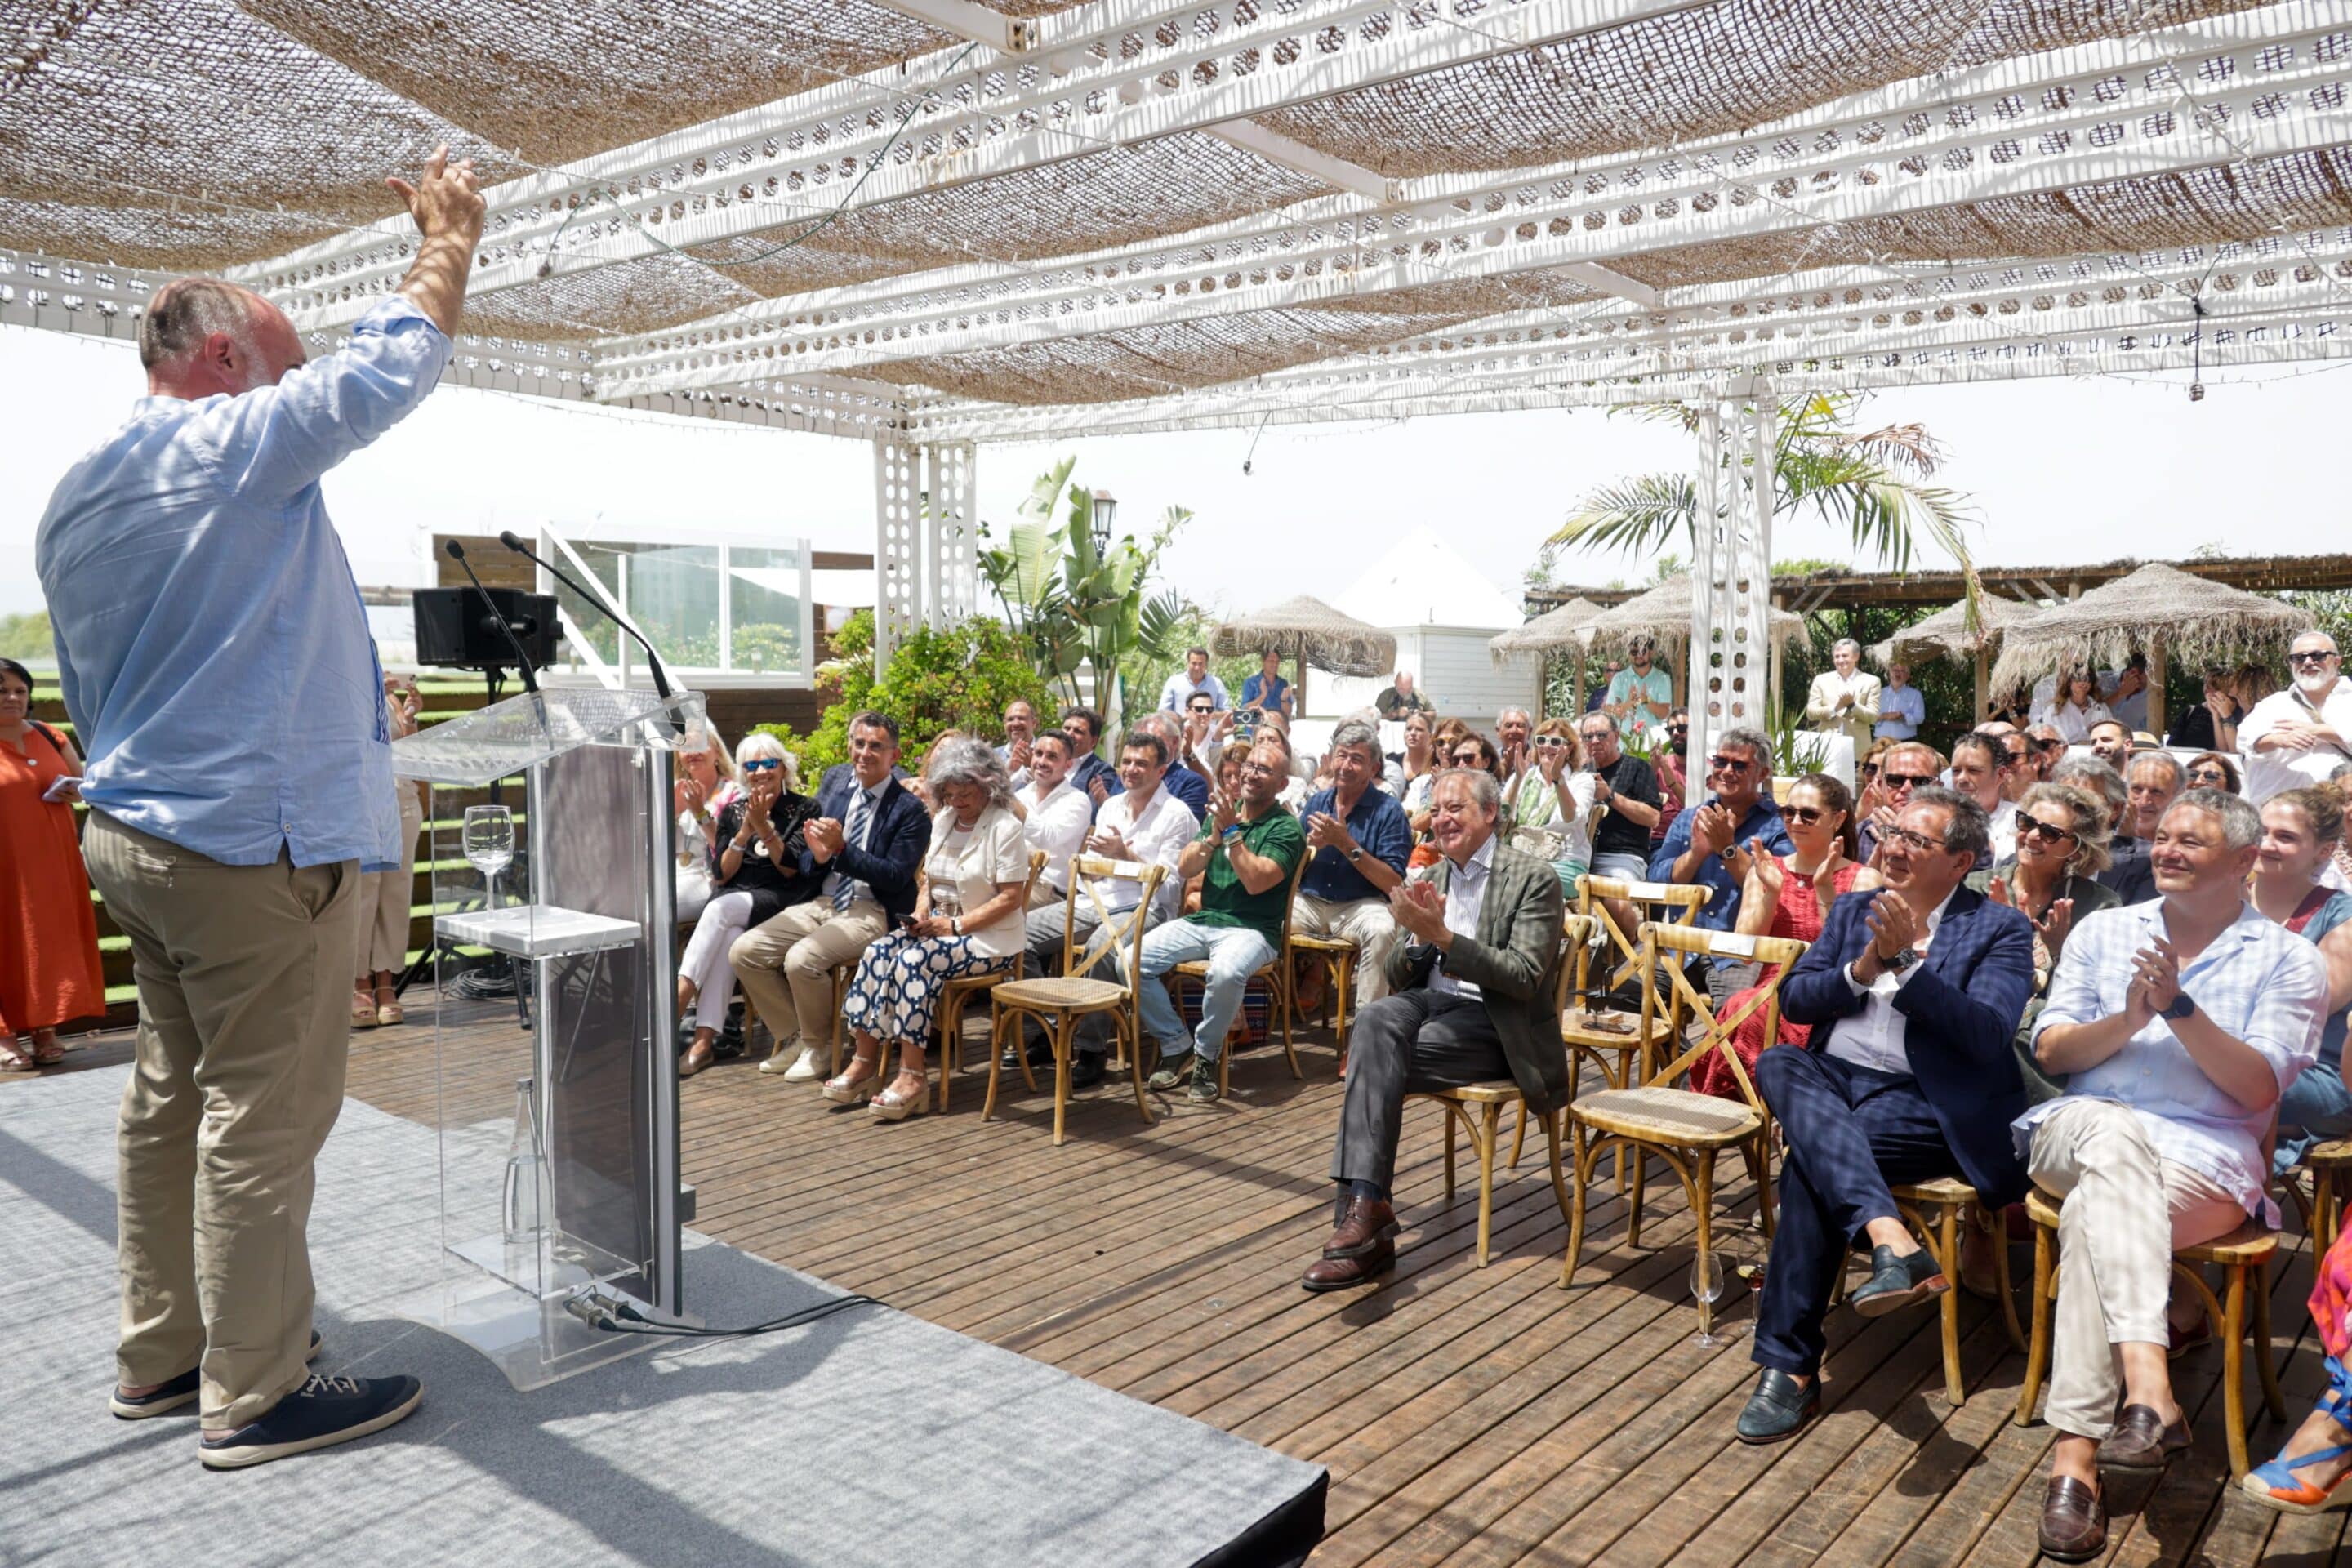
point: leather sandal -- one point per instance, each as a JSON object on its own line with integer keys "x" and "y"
{"x": 362, "y": 1009}
{"x": 15, "y": 1058}
{"x": 847, "y": 1090}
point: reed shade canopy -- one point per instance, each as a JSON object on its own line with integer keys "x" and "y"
{"x": 1664, "y": 615}
{"x": 2158, "y": 610}
{"x": 1558, "y": 630}
{"x": 1307, "y": 631}
{"x": 1945, "y": 635}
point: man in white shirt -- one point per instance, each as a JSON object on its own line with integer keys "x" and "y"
{"x": 1147, "y": 826}
{"x": 1193, "y": 677}
{"x": 1020, "y": 730}
{"x": 1901, "y": 707}
{"x": 1058, "y": 816}
{"x": 1844, "y": 698}
{"x": 2176, "y": 1025}
{"x": 1913, "y": 994}
{"x": 1981, "y": 771}
{"x": 2299, "y": 735}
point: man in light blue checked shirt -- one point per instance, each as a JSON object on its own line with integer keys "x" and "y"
{"x": 217, "y": 663}
{"x": 2177, "y": 1025}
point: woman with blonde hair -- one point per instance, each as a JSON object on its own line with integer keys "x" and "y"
{"x": 706, "y": 782}
{"x": 385, "y": 896}
{"x": 755, "y": 875}
{"x": 967, "y": 919}
{"x": 1548, "y": 806}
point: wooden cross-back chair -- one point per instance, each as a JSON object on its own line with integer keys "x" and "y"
{"x": 1279, "y": 980}
{"x": 1682, "y": 1127}
{"x": 1059, "y": 1002}
{"x": 1615, "y": 1050}
{"x": 964, "y": 987}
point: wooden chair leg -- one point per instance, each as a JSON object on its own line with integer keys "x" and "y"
{"x": 2233, "y": 1371}
{"x": 1519, "y": 1134}
{"x": 1286, "y": 992}
{"x": 1641, "y": 1158}
{"x": 1450, "y": 1117}
{"x": 1703, "y": 1206}
{"x": 1063, "y": 1028}
{"x": 2267, "y": 1363}
{"x": 2037, "y": 1350}
{"x": 1948, "y": 1234}
{"x": 1764, "y": 1183}
{"x": 1489, "y": 1134}
{"x": 1997, "y": 1225}
{"x": 1343, "y": 977}
{"x": 997, "y": 1018}
{"x": 1585, "y": 1153}
{"x": 1134, "y": 1062}
{"x": 1552, "y": 1149}
{"x": 951, "y": 1047}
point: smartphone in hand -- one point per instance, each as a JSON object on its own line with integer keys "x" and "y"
{"x": 64, "y": 787}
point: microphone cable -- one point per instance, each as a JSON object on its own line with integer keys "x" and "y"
{"x": 614, "y": 1314}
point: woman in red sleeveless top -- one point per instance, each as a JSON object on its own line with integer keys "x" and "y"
{"x": 49, "y": 967}
{"x": 1789, "y": 895}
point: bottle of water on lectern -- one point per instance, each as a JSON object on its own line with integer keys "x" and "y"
{"x": 525, "y": 1201}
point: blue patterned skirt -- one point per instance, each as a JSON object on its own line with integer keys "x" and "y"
{"x": 896, "y": 993}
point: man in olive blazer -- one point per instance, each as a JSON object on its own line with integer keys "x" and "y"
{"x": 1472, "y": 1000}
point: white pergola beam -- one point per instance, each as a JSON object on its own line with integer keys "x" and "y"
{"x": 2067, "y": 119}
{"x": 1276, "y": 148}
{"x": 974, "y": 24}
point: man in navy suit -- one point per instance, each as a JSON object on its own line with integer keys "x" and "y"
{"x": 868, "y": 841}
{"x": 1913, "y": 993}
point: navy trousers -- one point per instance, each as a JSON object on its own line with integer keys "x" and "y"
{"x": 1852, "y": 1133}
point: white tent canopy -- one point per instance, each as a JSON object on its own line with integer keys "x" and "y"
{"x": 1423, "y": 581}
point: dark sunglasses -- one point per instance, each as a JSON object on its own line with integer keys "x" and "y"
{"x": 2316, "y": 656}
{"x": 1803, "y": 815}
{"x": 1729, "y": 764}
{"x": 1469, "y": 759}
{"x": 762, "y": 765}
{"x": 1678, "y": 728}
{"x": 2049, "y": 833}
{"x": 2207, "y": 775}
{"x": 1908, "y": 780}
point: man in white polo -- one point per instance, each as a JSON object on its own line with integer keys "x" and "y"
{"x": 2299, "y": 735}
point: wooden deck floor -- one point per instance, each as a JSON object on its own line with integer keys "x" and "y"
{"x": 1466, "y": 1416}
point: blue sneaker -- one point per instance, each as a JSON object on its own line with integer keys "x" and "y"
{"x": 321, "y": 1413}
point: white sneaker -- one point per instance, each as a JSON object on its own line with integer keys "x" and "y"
{"x": 783, "y": 1059}
{"x": 811, "y": 1066}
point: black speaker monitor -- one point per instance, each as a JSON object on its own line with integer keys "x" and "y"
{"x": 454, "y": 631}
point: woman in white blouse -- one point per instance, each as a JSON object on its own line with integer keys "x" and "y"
{"x": 1548, "y": 806}
{"x": 2074, "y": 707}
{"x": 967, "y": 919}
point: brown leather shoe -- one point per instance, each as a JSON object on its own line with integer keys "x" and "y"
{"x": 1368, "y": 1222}
{"x": 2074, "y": 1521}
{"x": 2141, "y": 1441}
{"x": 1347, "y": 1273}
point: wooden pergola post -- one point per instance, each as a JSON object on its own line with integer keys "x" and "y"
{"x": 2156, "y": 664}
{"x": 1983, "y": 684}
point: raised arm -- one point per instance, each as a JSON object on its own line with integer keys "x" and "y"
{"x": 449, "y": 208}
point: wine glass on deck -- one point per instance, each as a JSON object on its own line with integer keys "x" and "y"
{"x": 489, "y": 846}
{"x": 1707, "y": 1284}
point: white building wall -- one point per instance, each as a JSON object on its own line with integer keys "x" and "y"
{"x": 1461, "y": 678}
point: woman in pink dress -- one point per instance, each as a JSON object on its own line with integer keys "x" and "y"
{"x": 1790, "y": 896}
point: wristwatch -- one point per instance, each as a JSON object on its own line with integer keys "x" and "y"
{"x": 1902, "y": 961}
{"x": 1356, "y": 854}
{"x": 2181, "y": 1006}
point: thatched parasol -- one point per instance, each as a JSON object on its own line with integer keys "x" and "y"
{"x": 1945, "y": 635}
{"x": 1664, "y": 615}
{"x": 2158, "y": 610}
{"x": 1311, "y": 632}
{"x": 1560, "y": 630}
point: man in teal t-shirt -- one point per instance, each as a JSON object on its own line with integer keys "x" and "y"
{"x": 1245, "y": 855}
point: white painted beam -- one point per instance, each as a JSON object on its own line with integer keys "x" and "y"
{"x": 974, "y": 24}
{"x": 1276, "y": 148}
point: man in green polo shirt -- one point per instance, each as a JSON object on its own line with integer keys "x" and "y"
{"x": 1245, "y": 854}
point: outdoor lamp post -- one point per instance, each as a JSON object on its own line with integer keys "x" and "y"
{"x": 1106, "y": 507}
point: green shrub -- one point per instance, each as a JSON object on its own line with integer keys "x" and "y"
{"x": 959, "y": 679}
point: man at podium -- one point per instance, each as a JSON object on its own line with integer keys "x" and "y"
{"x": 217, "y": 663}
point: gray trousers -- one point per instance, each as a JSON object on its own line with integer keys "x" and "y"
{"x": 1045, "y": 936}
{"x": 1408, "y": 1043}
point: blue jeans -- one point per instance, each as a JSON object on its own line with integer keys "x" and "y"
{"x": 1233, "y": 954}
{"x": 2318, "y": 1103}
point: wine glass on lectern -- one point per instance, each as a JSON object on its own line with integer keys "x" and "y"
{"x": 489, "y": 846}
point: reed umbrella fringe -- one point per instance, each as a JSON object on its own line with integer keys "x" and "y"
{"x": 1945, "y": 633}
{"x": 2191, "y": 618}
{"x": 1558, "y": 630}
{"x": 1664, "y": 615}
{"x": 1308, "y": 630}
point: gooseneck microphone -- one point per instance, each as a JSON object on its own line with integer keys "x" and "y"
{"x": 489, "y": 607}
{"x": 653, "y": 660}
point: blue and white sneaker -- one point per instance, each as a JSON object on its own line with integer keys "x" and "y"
{"x": 321, "y": 1413}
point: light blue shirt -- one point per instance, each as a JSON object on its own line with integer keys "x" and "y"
{"x": 211, "y": 643}
{"x": 1642, "y": 728}
{"x": 1901, "y": 711}
{"x": 2260, "y": 982}
{"x": 1180, "y": 689}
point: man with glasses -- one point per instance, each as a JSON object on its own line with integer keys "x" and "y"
{"x": 1901, "y": 707}
{"x": 1674, "y": 779}
{"x": 2049, "y": 749}
{"x": 1713, "y": 843}
{"x": 2298, "y": 736}
{"x": 1913, "y": 993}
{"x": 2018, "y": 754}
{"x": 1641, "y": 697}
{"x": 1626, "y": 791}
{"x": 1905, "y": 768}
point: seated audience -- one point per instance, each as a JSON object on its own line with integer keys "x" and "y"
{"x": 1245, "y": 852}
{"x": 1790, "y": 896}
{"x": 1912, "y": 992}
{"x": 1475, "y": 751}
{"x": 2299, "y": 735}
{"x": 2152, "y": 781}
{"x": 1672, "y": 767}
{"x": 1905, "y": 766}
{"x": 758, "y": 840}
{"x": 707, "y": 783}
{"x": 1512, "y": 728}
{"x": 1712, "y": 844}
{"x": 2049, "y": 749}
{"x": 1398, "y": 699}
{"x": 2018, "y": 751}
{"x": 1020, "y": 730}
{"x": 2212, "y": 770}
{"x": 386, "y": 898}
{"x": 2211, "y": 722}
{"x": 2178, "y": 1023}
{"x": 50, "y": 966}
{"x": 1145, "y": 825}
{"x": 1417, "y": 765}
{"x": 1205, "y": 728}
{"x": 1194, "y": 677}
{"x": 865, "y": 846}
{"x": 1360, "y": 841}
{"x": 1178, "y": 780}
{"x": 1266, "y": 689}
{"x": 2301, "y": 828}
{"x": 1472, "y": 1000}
{"x": 1055, "y": 816}
{"x": 2128, "y": 872}
{"x": 2062, "y": 845}
{"x": 1625, "y": 787}
{"x": 1093, "y": 777}
{"x": 2111, "y": 742}
{"x": 2309, "y": 1474}
{"x": 966, "y": 921}
{"x": 1980, "y": 770}
{"x": 2074, "y": 708}
{"x": 1547, "y": 804}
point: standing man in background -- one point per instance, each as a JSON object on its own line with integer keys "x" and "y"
{"x": 1639, "y": 697}
{"x": 1901, "y": 709}
{"x": 1844, "y": 698}
{"x": 1194, "y": 677}
{"x": 190, "y": 571}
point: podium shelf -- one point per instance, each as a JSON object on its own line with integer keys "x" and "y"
{"x": 538, "y": 930}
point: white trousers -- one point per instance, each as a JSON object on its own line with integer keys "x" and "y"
{"x": 2126, "y": 1209}
{"x": 1364, "y": 922}
{"x": 723, "y": 919}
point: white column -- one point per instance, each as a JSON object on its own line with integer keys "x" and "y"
{"x": 1731, "y": 575}
{"x": 897, "y": 581}
{"x": 951, "y": 535}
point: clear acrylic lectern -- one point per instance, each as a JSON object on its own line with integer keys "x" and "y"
{"x": 557, "y": 1109}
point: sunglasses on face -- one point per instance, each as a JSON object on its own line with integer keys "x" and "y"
{"x": 1803, "y": 815}
{"x": 2208, "y": 777}
{"x": 1550, "y": 742}
{"x": 1678, "y": 731}
{"x": 1905, "y": 839}
{"x": 2317, "y": 655}
{"x": 1908, "y": 780}
{"x": 1469, "y": 759}
{"x": 2048, "y": 832}
{"x": 1728, "y": 764}
{"x": 762, "y": 765}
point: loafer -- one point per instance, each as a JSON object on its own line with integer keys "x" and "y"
{"x": 1780, "y": 1408}
{"x": 1173, "y": 1071}
{"x": 323, "y": 1412}
{"x": 1347, "y": 1273}
{"x": 2074, "y": 1521}
{"x": 1040, "y": 1056}
{"x": 2141, "y": 1441}
{"x": 1895, "y": 1283}
{"x": 176, "y": 1394}
{"x": 1366, "y": 1223}
{"x": 1086, "y": 1072}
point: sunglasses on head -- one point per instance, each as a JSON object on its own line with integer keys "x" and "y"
{"x": 2048, "y": 832}
{"x": 762, "y": 765}
{"x": 1908, "y": 780}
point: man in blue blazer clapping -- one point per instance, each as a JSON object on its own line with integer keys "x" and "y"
{"x": 1913, "y": 993}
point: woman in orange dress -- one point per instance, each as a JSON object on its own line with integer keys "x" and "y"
{"x": 49, "y": 968}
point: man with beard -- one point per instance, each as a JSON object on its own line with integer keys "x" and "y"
{"x": 2299, "y": 735}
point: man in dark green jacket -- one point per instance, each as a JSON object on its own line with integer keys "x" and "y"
{"x": 1474, "y": 984}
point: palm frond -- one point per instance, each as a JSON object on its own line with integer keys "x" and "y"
{"x": 1644, "y": 513}
{"x": 1908, "y": 448}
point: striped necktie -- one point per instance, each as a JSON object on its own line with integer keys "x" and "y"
{"x": 846, "y": 893}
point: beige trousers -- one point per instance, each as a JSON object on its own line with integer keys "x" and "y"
{"x": 2126, "y": 1209}
{"x": 785, "y": 965}
{"x": 243, "y": 973}
{"x": 1364, "y": 922}
{"x": 386, "y": 896}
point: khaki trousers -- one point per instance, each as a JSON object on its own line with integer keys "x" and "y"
{"x": 243, "y": 973}
{"x": 1364, "y": 922}
{"x": 785, "y": 965}
{"x": 385, "y": 898}
{"x": 2126, "y": 1209}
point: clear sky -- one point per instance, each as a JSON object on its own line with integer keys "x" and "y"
{"x": 2060, "y": 471}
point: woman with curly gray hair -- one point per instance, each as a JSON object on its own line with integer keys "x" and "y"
{"x": 967, "y": 919}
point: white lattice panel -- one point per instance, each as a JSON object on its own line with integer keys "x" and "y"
{"x": 897, "y": 547}
{"x": 1730, "y": 660}
{"x": 952, "y": 563}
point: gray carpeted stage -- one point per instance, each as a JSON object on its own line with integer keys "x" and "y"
{"x": 867, "y": 1437}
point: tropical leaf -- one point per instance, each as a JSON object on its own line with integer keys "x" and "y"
{"x": 1039, "y": 503}
{"x": 1639, "y": 515}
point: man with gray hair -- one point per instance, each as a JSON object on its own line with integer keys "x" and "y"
{"x": 1844, "y": 698}
{"x": 1715, "y": 845}
{"x": 2128, "y": 872}
{"x": 2176, "y": 1025}
{"x": 2298, "y": 735}
{"x": 1512, "y": 728}
{"x": 191, "y": 570}
{"x": 1359, "y": 840}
